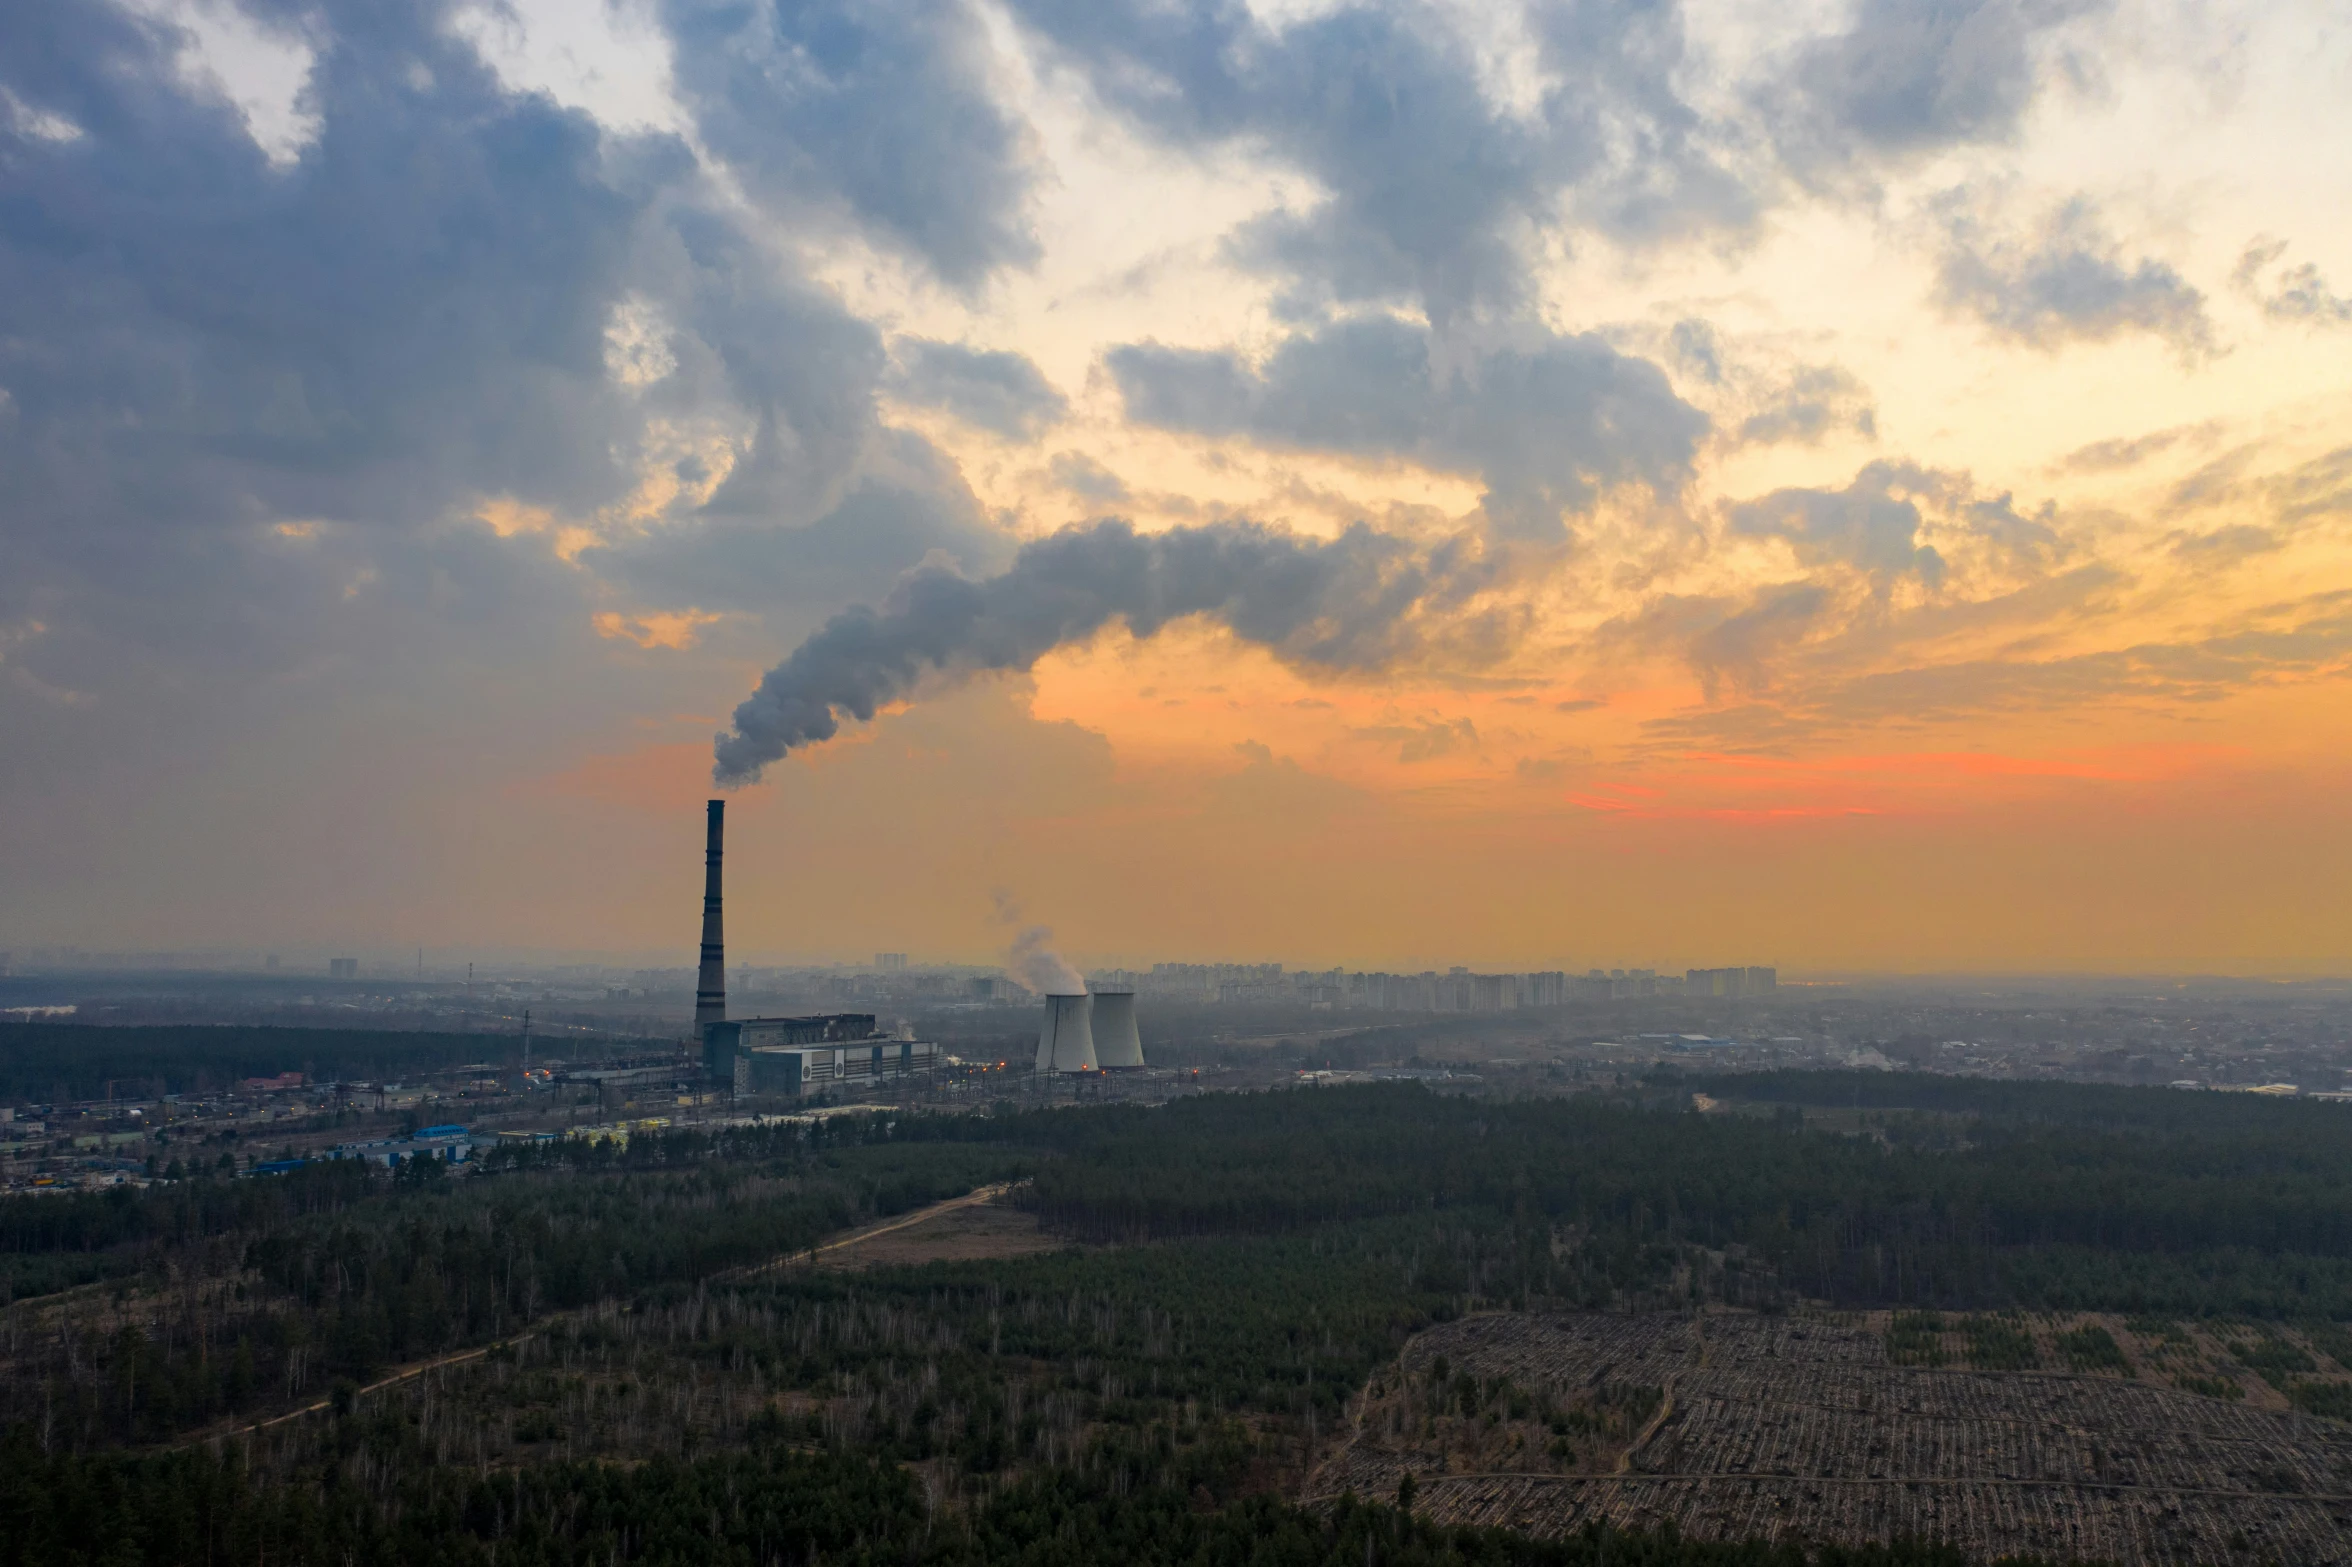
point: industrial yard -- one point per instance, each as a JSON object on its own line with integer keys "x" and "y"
{"x": 1730, "y": 1425}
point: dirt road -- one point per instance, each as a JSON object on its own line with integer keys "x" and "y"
{"x": 460, "y": 1357}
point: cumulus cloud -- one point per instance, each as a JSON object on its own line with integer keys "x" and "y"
{"x": 880, "y": 527}
{"x": 1808, "y": 405}
{"x": 1994, "y": 572}
{"x": 2065, "y": 279}
{"x": 881, "y": 110}
{"x": 1548, "y": 422}
{"x": 1761, "y": 396}
{"x": 1087, "y": 479}
{"x": 1877, "y": 525}
{"x": 1428, "y": 183}
{"x": 461, "y": 378}
{"x": 413, "y": 316}
{"x": 1911, "y": 77}
{"x": 2297, "y": 293}
{"x": 460, "y": 292}
{"x": 995, "y": 390}
{"x": 1873, "y": 524}
{"x": 1729, "y": 640}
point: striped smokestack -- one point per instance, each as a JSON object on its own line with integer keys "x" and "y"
{"x": 710, "y": 990}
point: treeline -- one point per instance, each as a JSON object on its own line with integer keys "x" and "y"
{"x": 1274, "y": 1162}
{"x": 768, "y": 1505}
{"x": 2092, "y": 1106}
{"x": 61, "y": 1061}
{"x": 270, "y": 1291}
{"x": 207, "y": 1200}
{"x": 2243, "y": 1211}
{"x": 180, "y": 1211}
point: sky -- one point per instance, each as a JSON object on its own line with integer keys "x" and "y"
{"x": 1852, "y": 486}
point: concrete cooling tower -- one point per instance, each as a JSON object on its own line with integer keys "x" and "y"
{"x": 1116, "y": 1043}
{"x": 1066, "y": 1042}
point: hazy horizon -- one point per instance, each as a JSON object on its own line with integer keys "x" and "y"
{"x": 449, "y": 966}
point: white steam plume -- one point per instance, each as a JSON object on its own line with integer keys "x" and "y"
{"x": 1040, "y": 967}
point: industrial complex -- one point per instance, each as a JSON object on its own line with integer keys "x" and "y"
{"x": 795, "y": 1057}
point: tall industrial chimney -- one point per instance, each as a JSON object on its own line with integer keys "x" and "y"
{"x": 710, "y": 989}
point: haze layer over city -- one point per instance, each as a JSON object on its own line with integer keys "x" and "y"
{"x": 962, "y": 782}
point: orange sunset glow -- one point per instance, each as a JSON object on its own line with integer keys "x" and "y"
{"x": 1347, "y": 483}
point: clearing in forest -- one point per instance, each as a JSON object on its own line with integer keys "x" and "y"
{"x": 1732, "y": 1425}
{"x": 979, "y": 1228}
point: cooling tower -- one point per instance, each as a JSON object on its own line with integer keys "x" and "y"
{"x": 710, "y": 987}
{"x": 1116, "y": 1043}
{"x": 1066, "y": 1042}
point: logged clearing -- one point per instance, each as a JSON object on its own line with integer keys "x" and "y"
{"x": 1733, "y": 1425}
{"x": 979, "y": 1229}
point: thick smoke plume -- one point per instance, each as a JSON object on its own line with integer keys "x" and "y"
{"x": 1357, "y": 602}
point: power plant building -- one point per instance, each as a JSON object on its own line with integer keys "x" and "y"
{"x": 791, "y": 1056}
{"x": 796, "y": 1071}
{"x": 798, "y": 1056}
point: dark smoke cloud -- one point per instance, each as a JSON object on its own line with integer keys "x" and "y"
{"x": 1357, "y": 602}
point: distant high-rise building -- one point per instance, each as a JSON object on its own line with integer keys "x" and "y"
{"x": 342, "y": 968}
{"x": 1732, "y": 983}
{"x": 890, "y": 962}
